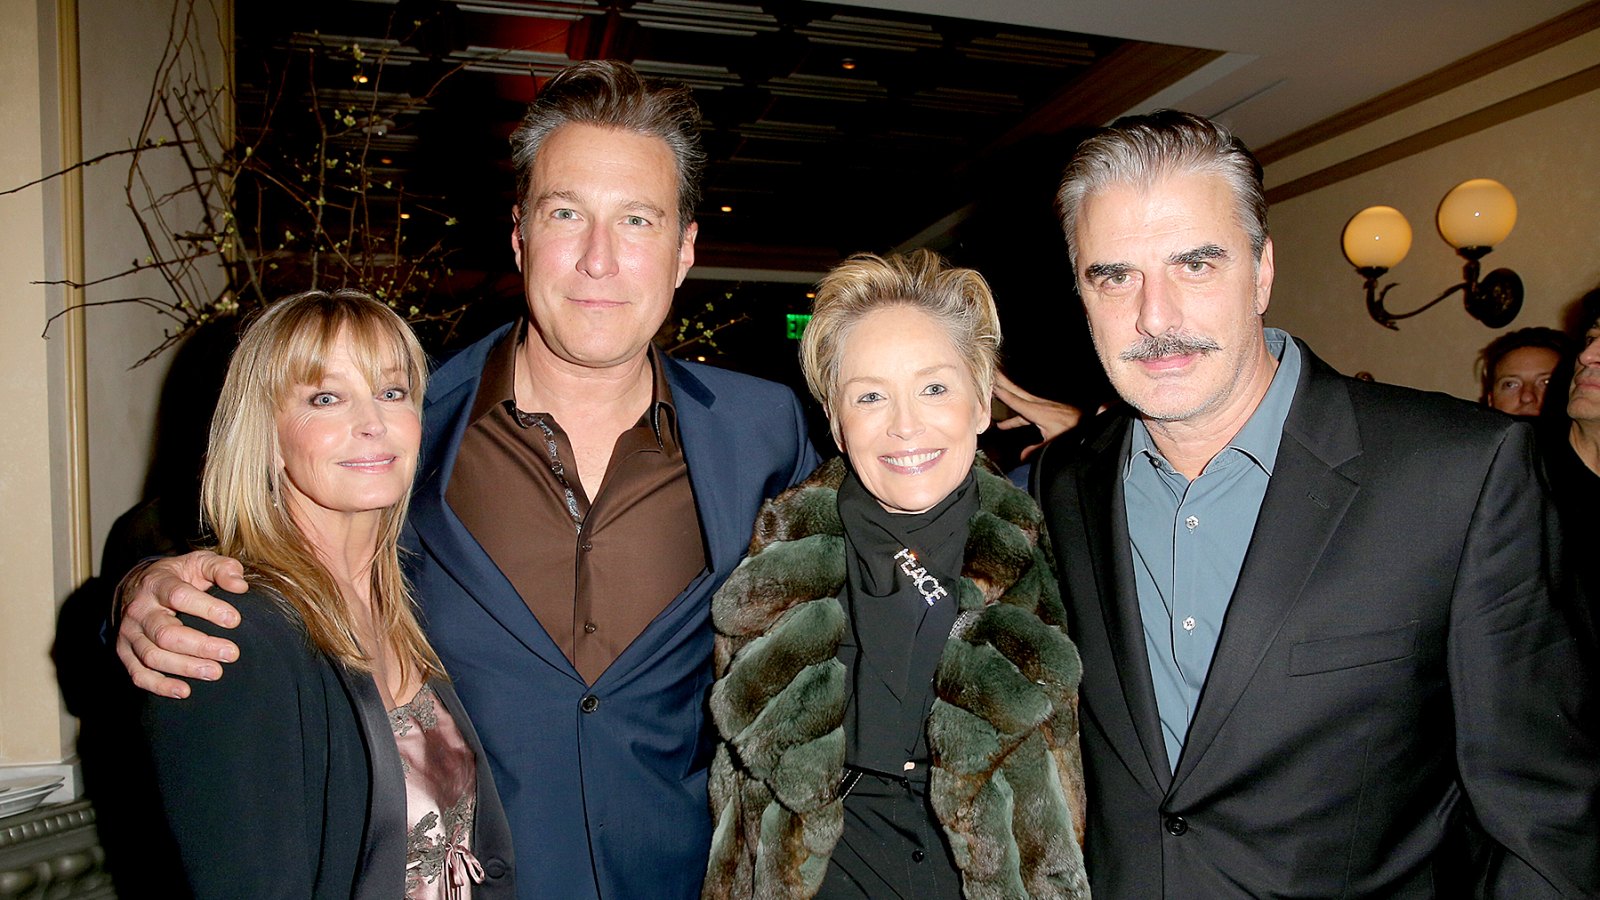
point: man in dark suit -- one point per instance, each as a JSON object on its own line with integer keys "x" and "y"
{"x": 579, "y": 498}
{"x": 1316, "y": 627}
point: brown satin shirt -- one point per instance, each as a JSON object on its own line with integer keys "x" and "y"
{"x": 594, "y": 588}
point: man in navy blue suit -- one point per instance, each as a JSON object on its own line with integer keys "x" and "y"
{"x": 579, "y": 498}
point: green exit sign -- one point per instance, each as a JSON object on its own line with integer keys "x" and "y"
{"x": 797, "y": 325}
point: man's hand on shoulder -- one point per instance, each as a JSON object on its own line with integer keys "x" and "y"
{"x": 153, "y": 644}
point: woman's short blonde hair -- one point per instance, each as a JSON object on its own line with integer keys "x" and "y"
{"x": 958, "y": 299}
{"x": 285, "y": 345}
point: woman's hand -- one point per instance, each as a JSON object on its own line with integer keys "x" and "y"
{"x": 150, "y": 639}
{"x": 1051, "y": 418}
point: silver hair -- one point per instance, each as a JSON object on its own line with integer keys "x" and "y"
{"x": 1140, "y": 150}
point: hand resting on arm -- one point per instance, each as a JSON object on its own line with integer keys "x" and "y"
{"x": 153, "y": 644}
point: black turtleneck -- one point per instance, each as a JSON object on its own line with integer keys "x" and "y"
{"x": 900, "y": 617}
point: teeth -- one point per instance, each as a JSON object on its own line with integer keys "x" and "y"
{"x": 915, "y": 459}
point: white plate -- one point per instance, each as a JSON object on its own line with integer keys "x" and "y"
{"x": 26, "y": 793}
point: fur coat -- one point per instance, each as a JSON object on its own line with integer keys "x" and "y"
{"x": 1006, "y": 779}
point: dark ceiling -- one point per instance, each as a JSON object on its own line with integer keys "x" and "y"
{"x": 830, "y": 130}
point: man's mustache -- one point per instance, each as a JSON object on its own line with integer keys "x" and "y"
{"x": 1160, "y": 345}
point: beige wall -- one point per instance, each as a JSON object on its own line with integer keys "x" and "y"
{"x": 1550, "y": 159}
{"x": 32, "y": 727}
{"x": 119, "y": 46}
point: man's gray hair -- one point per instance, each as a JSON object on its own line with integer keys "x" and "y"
{"x": 611, "y": 94}
{"x": 1141, "y": 150}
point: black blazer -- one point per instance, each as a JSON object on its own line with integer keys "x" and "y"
{"x": 1391, "y": 654}
{"x": 282, "y": 779}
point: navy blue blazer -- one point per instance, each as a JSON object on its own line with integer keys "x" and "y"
{"x": 604, "y": 786}
{"x": 283, "y": 779}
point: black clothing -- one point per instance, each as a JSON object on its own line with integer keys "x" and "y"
{"x": 900, "y": 619}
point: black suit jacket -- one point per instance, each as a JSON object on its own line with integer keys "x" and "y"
{"x": 283, "y": 779}
{"x": 1391, "y": 661}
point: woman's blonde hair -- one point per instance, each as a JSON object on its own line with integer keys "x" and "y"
{"x": 287, "y": 345}
{"x": 958, "y": 299}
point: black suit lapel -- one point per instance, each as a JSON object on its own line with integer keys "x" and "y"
{"x": 1313, "y": 483}
{"x": 1105, "y": 505}
{"x": 383, "y": 860}
{"x": 1084, "y": 503}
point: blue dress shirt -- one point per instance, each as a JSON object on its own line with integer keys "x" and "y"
{"x": 1189, "y": 541}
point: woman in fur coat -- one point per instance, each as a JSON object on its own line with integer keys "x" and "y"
{"x": 896, "y": 695}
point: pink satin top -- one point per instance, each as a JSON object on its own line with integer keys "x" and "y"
{"x": 441, "y": 797}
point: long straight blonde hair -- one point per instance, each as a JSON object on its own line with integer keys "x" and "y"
{"x": 287, "y": 345}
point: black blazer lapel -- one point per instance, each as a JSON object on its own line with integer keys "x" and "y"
{"x": 381, "y": 875}
{"x": 1314, "y": 479}
{"x": 1084, "y": 502}
{"x": 1105, "y": 505}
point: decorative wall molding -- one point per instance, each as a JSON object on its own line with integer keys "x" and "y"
{"x": 1491, "y": 59}
{"x": 53, "y": 852}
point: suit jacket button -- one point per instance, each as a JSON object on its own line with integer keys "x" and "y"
{"x": 1176, "y": 826}
{"x": 589, "y": 627}
{"x": 918, "y": 856}
{"x": 589, "y": 703}
{"x": 494, "y": 868}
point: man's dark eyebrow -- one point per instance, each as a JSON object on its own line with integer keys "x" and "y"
{"x": 1106, "y": 270}
{"x": 1198, "y": 254}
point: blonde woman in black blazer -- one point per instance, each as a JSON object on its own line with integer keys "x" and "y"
{"x": 334, "y": 758}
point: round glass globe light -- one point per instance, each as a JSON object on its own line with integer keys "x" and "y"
{"x": 1377, "y": 237}
{"x": 1477, "y": 213}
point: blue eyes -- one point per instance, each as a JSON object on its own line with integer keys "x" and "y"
{"x": 932, "y": 390}
{"x": 568, "y": 215}
{"x": 390, "y": 394}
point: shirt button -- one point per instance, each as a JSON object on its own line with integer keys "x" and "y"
{"x": 589, "y": 627}
{"x": 1188, "y": 624}
{"x": 589, "y": 703}
{"x": 918, "y": 856}
{"x": 1193, "y": 522}
{"x": 1176, "y": 826}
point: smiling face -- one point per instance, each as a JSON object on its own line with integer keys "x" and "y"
{"x": 347, "y": 448}
{"x": 1583, "y": 396}
{"x": 600, "y": 248}
{"x": 906, "y": 410}
{"x": 1520, "y": 379}
{"x": 1174, "y": 299}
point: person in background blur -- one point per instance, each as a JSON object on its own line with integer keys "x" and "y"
{"x": 1570, "y": 453}
{"x": 1515, "y": 368}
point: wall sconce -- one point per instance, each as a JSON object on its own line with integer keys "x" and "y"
{"x": 1473, "y": 217}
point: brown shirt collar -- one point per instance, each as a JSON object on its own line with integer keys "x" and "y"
{"x": 497, "y": 387}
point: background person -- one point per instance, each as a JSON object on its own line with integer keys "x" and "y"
{"x": 1515, "y": 368}
{"x": 897, "y": 627}
{"x": 334, "y": 760}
